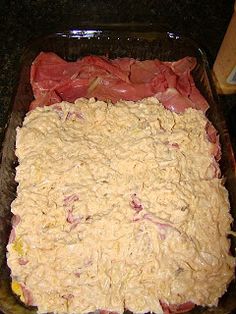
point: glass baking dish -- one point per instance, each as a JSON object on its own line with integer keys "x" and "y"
{"x": 139, "y": 41}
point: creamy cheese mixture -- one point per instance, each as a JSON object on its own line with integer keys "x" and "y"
{"x": 119, "y": 208}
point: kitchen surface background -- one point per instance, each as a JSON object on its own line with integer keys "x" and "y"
{"x": 205, "y": 21}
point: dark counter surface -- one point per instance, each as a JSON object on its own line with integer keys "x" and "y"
{"x": 22, "y": 21}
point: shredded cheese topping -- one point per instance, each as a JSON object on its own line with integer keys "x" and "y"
{"x": 118, "y": 207}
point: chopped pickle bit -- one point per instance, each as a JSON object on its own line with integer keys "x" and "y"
{"x": 18, "y": 246}
{"x": 16, "y": 288}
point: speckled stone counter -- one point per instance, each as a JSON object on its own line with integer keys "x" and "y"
{"x": 21, "y": 21}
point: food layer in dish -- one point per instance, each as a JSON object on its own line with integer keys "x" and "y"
{"x": 118, "y": 206}
{"x": 54, "y": 80}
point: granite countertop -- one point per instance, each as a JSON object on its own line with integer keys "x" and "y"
{"x": 21, "y": 21}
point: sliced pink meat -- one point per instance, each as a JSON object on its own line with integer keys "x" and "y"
{"x": 165, "y": 75}
{"x": 68, "y": 204}
{"x": 159, "y": 75}
{"x": 15, "y": 220}
{"x": 213, "y": 137}
{"x": 183, "y": 65}
{"x": 52, "y": 67}
{"x": 12, "y": 236}
{"x": 174, "y": 101}
{"x": 135, "y": 203}
{"x": 54, "y": 79}
{"x": 107, "y": 312}
{"x": 73, "y": 89}
{"x": 70, "y": 199}
{"x": 27, "y": 295}
{"x": 196, "y": 97}
{"x": 176, "y": 308}
{"x": 161, "y": 225}
{"x": 124, "y": 64}
{"x": 115, "y": 90}
{"x": 181, "y": 308}
{"x": 22, "y": 261}
{"x": 143, "y": 71}
{"x": 68, "y": 296}
{"x": 183, "y": 84}
{"x": 72, "y": 219}
{"x": 47, "y": 99}
{"x": 105, "y": 64}
{"x": 167, "y": 309}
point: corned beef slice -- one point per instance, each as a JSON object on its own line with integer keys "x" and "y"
{"x": 54, "y": 79}
{"x": 174, "y": 308}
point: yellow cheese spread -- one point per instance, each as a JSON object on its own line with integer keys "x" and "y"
{"x": 118, "y": 207}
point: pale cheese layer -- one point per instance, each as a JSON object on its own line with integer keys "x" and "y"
{"x": 119, "y": 207}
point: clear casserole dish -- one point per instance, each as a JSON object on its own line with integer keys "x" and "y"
{"x": 113, "y": 41}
